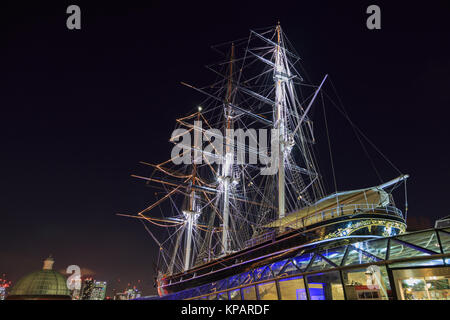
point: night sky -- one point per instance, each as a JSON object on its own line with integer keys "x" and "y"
{"x": 81, "y": 108}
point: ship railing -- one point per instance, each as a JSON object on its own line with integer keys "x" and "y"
{"x": 345, "y": 210}
{"x": 341, "y": 210}
{"x": 260, "y": 239}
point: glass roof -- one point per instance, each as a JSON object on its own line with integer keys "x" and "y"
{"x": 263, "y": 273}
{"x": 400, "y": 250}
{"x": 302, "y": 261}
{"x": 445, "y": 241}
{"x": 377, "y": 248}
{"x": 415, "y": 244}
{"x": 335, "y": 255}
{"x": 356, "y": 256}
{"x": 427, "y": 240}
{"x": 319, "y": 264}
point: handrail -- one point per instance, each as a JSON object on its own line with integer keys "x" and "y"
{"x": 259, "y": 239}
{"x": 342, "y": 210}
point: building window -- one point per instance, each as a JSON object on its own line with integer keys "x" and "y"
{"x": 368, "y": 295}
{"x": 423, "y": 283}
{"x": 371, "y": 283}
{"x": 249, "y": 293}
{"x": 235, "y": 294}
{"x": 292, "y": 289}
{"x": 325, "y": 286}
{"x": 268, "y": 291}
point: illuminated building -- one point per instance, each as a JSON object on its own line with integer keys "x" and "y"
{"x": 4, "y": 285}
{"x": 98, "y": 291}
{"x": 2, "y": 293}
{"x": 93, "y": 290}
{"x": 128, "y": 294}
{"x": 86, "y": 288}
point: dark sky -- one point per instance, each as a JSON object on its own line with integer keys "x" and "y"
{"x": 80, "y": 109}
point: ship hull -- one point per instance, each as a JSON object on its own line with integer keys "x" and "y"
{"x": 338, "y": 231}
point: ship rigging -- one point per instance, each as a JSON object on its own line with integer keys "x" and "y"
{"x": 218, "y": 206}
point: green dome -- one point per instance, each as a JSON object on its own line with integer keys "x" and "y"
{"x": 40, "y": 283}
{"x": 43, "y": 283}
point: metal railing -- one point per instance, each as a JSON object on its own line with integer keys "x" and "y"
{"x": 341, "y": 210}
{"x": 260, "y": 239}
{"x": 345, "y": 210}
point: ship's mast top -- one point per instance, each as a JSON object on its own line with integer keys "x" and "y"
{"x": 227, "y": 169}
{"x": 280, "y": 122}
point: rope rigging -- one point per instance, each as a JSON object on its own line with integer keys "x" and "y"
{"x": 216, "y": 207}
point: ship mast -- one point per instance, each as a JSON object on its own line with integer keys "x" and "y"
{"x": 243, "y": 97}
{"x": 279, "y": 77}
{"x": 229, "y": 157}
{"x": 193, "y": 211}
{"x": 258, "y": 88}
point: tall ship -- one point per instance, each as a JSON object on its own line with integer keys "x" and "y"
{"x": 242, "y": 209}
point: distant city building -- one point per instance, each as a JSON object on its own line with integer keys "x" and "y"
{"x": 128, "y": 294}
{"x": 86, "y": 288}
{"x": 93, "y": 290}
{"x": 45, "y": 284}
{"x": 2, "y": 293}
{"x": 99, "y": 290}
{"x": 4, "y": 285}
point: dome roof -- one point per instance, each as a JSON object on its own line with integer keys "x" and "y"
{"x": 43, "y": 283}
